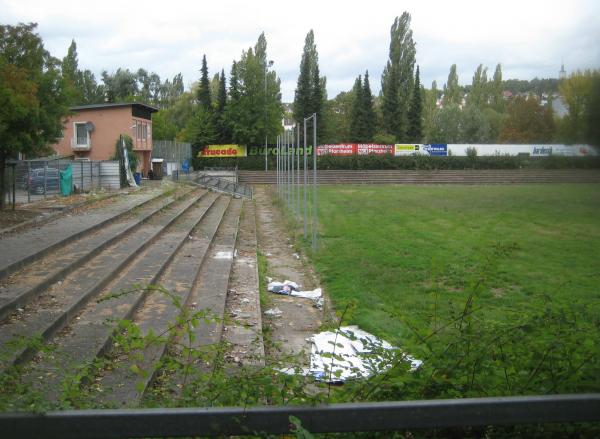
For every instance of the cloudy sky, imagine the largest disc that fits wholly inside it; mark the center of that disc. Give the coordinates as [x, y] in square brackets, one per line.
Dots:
[529, 38]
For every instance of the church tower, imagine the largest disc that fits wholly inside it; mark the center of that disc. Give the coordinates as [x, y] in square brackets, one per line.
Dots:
[562, 74]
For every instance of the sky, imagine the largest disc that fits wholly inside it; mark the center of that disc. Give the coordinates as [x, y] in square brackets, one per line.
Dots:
[528, 38]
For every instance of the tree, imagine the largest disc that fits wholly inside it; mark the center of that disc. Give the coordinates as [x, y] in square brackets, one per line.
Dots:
[310, 95]
[527, 122]
[200, 130]
[247, 118]
[415, 121]
[121, 86]
[204, 86]
[478, 96]
[357, 121]
[575, 91]
[33, 97]
[221, 127]
[592, 113]
[82, 87]
[397, 77]
[496, 98]
[370, 116]
[430, 107]
[452, 91]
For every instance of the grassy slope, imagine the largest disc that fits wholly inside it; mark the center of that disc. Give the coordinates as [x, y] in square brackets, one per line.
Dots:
[395, 249]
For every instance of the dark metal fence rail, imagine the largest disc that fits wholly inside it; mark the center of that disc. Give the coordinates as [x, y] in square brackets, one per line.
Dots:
[224, 185]
[382, 416]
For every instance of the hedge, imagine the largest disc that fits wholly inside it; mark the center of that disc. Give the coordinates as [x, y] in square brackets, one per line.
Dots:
[416, 162]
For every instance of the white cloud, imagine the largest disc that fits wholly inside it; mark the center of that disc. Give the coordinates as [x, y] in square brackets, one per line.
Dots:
[529, 38]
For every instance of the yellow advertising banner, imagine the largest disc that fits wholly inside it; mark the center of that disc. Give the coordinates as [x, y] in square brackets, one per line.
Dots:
[223, 151]
[405, 149]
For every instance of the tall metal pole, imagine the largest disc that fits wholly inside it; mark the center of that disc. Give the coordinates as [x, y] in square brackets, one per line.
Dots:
[298, 211]
[315, 221]
[277, 165]
[270, 63]
[292, 187]
[305, 187]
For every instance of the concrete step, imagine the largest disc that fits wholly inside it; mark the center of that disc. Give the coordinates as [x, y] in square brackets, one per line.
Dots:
[89, 335]
[56, 307]
[20, 287]
[200, 284]
[24, 248]
[243, 332]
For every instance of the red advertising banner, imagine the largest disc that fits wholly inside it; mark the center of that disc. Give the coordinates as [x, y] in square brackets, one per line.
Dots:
[372, 148]
[338, 149]
[346, 149]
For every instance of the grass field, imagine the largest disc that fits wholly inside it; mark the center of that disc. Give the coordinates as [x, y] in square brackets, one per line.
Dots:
[412, 258]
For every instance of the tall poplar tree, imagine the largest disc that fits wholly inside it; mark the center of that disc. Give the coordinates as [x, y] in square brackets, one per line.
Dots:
[415, 122]
[495, 85]
[397, 77]
[310, 91]
[452, 91]
[479, 94]
[369, 111]
[357, 114]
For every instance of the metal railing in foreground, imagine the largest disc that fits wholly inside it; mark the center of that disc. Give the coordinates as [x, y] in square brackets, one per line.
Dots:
[223, 185]
[378, 416]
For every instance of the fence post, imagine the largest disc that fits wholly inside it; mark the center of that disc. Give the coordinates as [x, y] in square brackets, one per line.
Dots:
[315, 219]
[28, 180]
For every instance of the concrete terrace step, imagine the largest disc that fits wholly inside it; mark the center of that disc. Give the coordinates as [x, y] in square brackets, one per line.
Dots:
[53, 309]
[474, 176]
[244, 330]
[23, 248]
[89, 336]
[34, 278]
[199, 279]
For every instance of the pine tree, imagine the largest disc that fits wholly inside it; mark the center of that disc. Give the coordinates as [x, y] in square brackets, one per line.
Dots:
[204, 87]
[397, 77]
[223, 135]
[452, 91]
[415, 123]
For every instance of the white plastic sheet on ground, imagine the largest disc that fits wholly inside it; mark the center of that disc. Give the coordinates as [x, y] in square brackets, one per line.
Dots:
[350, 352]
[291, 288]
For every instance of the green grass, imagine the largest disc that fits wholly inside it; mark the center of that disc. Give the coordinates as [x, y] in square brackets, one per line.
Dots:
[407, 255]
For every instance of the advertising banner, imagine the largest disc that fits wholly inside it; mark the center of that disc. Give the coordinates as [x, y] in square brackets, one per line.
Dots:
[373, 148]
[437, 149]
[223, 151]
[405, 149]
[340, 149]
[272, 150]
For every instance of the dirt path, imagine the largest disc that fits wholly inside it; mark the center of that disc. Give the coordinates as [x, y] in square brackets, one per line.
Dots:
[299, 318]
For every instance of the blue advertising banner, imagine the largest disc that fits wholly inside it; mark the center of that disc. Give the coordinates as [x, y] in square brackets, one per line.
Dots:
[439, 149]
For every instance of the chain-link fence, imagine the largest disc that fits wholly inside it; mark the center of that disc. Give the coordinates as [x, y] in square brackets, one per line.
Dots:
[40, 178]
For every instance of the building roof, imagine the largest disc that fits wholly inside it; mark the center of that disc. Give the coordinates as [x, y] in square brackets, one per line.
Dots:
[111, 105]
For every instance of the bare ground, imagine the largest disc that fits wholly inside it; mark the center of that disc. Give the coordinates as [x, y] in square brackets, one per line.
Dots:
[299, 319]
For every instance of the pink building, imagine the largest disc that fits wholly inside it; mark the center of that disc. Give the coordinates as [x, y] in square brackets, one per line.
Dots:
[91, 131]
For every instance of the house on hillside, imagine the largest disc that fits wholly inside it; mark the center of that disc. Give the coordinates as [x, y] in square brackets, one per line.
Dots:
[91, 131]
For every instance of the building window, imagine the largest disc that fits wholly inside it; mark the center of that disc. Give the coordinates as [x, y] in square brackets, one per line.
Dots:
[82, 137]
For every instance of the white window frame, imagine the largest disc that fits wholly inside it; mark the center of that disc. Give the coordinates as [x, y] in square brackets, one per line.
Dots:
[75, 138]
